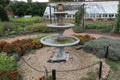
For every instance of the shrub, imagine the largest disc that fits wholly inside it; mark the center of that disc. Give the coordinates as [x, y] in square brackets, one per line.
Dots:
[5, 62]
[15, 46]
[98, 47]
[105, 27]
[84, 38]
[3, 14]
[7, 68]
[77, 29]
[40, 27]
[1, 28]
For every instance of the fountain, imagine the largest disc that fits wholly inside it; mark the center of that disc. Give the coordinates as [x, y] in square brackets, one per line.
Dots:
[60, 41]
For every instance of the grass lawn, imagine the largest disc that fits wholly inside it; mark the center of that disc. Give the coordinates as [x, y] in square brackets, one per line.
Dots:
[115, 70]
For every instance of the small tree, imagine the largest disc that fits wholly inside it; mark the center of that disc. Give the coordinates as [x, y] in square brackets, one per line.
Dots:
[78, 18]
[117, 29]
[3, 14]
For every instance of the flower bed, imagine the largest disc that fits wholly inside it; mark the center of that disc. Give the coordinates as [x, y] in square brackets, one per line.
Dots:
[84, 38]
[15, 46]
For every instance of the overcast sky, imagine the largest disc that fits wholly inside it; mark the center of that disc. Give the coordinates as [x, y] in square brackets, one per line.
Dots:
[35, 0]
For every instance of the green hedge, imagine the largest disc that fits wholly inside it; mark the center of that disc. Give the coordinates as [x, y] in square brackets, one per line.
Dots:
[26, 20]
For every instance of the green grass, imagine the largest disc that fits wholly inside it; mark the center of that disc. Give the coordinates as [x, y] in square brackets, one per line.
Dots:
[115, 69]
[41, 36]
[26, 20]
[114, 65]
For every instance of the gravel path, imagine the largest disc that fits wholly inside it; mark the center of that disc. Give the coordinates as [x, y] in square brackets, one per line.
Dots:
[78, 59]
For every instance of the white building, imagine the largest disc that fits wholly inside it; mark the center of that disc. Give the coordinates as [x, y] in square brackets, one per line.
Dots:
[94, 10]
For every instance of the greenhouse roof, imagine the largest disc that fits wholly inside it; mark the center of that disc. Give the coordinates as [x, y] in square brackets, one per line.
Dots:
[104, 7]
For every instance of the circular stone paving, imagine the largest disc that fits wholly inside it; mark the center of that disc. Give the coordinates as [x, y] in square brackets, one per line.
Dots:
[78, 59]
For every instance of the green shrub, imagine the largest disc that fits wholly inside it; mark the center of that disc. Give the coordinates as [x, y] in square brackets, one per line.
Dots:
[98, 47]
[77, 29]
[40, 27]
[26, 20]
[1, 28]
[9, 26]
[105, 27]
[5, 62]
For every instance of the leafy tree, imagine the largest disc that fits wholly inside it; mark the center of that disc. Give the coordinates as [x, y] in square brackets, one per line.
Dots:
[4, 2]
[22, 8]
[3, 14]
[117, 29]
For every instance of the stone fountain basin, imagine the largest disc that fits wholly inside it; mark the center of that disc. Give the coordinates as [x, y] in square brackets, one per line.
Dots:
[52, 41]
[64, 26]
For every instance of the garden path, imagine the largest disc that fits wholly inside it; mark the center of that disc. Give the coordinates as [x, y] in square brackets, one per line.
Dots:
[67, 32]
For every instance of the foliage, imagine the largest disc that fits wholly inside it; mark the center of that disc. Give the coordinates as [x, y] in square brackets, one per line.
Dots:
[117, 29]
[1, 28]
[26, 20]
[98, 47]
[22, 8]
[7, 68]
[83, 38]
[15, 46]
[99, 25]
[90, 76]
[115, 69]
[77, 29]
[3, 14]
[5, 62]
[41, 36]
[4, 2]
[78, 18]
[40, 27]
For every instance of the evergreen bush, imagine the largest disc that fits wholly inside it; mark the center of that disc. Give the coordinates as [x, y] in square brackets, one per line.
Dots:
[3, 14]
[98, 47]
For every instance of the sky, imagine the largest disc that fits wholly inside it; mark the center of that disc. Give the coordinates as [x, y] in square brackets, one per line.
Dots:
[35, 0]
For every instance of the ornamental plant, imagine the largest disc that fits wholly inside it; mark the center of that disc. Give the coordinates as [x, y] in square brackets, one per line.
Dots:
[15, 46]
[84, 38]
[8, 71]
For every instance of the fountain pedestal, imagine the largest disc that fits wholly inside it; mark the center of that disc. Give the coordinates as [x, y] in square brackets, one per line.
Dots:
[60, 55]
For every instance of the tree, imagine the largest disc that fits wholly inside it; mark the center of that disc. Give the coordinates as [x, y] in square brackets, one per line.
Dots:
[29, 1]
[4, 2]
[117, 29]
[3, 14]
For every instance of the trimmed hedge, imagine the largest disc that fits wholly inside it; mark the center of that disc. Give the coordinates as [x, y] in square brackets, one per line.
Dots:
[98, 47]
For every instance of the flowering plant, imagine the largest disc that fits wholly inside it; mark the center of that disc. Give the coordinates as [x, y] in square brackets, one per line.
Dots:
[84, 38]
